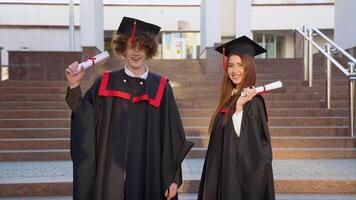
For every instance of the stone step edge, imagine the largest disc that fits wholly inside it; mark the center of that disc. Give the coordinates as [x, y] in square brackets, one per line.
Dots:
[203, 149]
[186, 127]
[281, 186]
[190, 137]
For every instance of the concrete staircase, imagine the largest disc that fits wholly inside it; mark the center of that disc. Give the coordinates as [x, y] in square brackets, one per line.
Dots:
[306, 137]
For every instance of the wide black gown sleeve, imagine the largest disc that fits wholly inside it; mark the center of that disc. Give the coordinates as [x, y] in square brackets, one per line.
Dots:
[256, 110]
[83, 140]
[73, 98]
[175, 146]
[259, 114]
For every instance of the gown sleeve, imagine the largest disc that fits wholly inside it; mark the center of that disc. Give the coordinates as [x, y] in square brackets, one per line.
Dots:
[259, 114]
[83, 140]
[175, 146]
[257, 110]
[73, 98]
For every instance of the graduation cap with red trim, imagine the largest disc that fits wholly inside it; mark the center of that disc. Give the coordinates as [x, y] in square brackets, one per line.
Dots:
[132, 27]
[242, 46]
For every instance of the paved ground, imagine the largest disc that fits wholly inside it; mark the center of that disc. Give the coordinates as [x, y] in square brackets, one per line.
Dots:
[318, 169]
[291, 169]
[40, 171]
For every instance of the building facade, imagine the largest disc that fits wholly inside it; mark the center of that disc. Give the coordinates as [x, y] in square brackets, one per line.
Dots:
[188, 26]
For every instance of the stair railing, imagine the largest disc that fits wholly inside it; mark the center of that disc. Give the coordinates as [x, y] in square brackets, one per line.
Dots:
[308, 35]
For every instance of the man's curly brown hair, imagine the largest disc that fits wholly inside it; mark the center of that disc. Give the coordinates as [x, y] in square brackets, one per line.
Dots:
[145, 41]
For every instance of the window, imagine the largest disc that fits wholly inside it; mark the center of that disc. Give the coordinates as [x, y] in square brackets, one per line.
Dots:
[180, 45]
[274, 44]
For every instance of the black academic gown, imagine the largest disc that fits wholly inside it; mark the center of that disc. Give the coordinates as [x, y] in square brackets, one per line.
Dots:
[127, 138]
[239, 168]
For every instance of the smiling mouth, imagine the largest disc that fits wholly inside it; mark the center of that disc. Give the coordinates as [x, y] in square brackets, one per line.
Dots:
[236, 76]
[135, 59]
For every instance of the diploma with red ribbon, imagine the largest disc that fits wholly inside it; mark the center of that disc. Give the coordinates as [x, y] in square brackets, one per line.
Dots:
[93, 60]
[263, 89]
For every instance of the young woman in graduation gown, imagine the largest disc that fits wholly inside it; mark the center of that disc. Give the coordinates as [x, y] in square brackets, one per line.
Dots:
[127, 138]
[238, 163]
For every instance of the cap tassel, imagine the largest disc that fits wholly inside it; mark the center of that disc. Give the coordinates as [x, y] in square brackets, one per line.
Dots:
[223, 64]
[132, 39]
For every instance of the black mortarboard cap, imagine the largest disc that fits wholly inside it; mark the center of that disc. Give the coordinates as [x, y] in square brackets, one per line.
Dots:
[131, 27]
[242, 45]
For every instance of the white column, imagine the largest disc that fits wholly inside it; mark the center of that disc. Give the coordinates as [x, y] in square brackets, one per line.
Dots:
[71, 26]
[210, 23]
[345, 29]
[243, 18]
[91, 24]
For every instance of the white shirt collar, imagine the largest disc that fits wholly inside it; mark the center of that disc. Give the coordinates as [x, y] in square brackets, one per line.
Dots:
[130, 73]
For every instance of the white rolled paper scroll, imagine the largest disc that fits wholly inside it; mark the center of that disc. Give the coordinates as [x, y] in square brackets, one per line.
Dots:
[93, 60]
[265, 88]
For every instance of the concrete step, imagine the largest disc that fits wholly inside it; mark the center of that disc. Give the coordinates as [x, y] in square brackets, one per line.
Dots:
[34, 155]
[296, 153]
[33, 97]
[275, 75]
[276, 112]
[32, 83]
[13, 114]
[192, 88]
[33, 90]
[292, 142]
[280, 94]
[273, 112]
[261, 74]
[18, 133]
[195, 96]
[290, 89]
[196, 152]
[216, 81]
[200, 141]
[306, 131]
[182, 104]
[206, 81]
[267, 97]
[34, 143]
[278, 121]
[269, 104]
[291, 131]
[35, 123]
[53, 105]
[187, 121]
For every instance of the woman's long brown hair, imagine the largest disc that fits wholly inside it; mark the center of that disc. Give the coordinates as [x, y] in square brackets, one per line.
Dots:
[227, 86]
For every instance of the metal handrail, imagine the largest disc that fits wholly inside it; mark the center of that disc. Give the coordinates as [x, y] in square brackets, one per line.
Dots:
[335, 62]
[308, 66]
[335, 45]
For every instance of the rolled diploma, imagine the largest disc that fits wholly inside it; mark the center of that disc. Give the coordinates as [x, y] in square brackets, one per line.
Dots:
[93, 60]
[268, 87]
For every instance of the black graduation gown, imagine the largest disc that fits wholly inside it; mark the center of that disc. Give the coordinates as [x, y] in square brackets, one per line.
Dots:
[127, 138]
[239, 168]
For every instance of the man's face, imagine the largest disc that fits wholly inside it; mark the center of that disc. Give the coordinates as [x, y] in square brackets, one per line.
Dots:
[135, 56]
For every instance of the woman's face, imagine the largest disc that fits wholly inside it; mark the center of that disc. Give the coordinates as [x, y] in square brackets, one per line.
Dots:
[235, 69]
[135, 56]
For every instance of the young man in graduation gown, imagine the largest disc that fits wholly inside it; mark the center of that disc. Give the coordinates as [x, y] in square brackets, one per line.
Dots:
[238, 164]
[127, 138]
